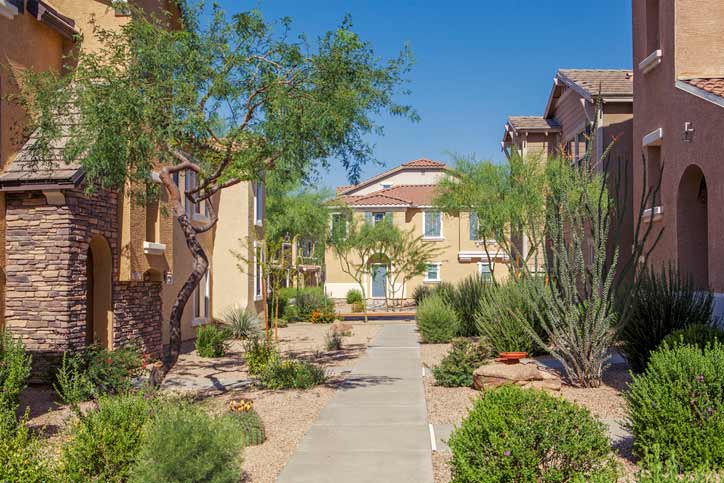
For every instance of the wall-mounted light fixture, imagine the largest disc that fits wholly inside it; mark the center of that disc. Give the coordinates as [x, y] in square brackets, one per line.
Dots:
[688, 132]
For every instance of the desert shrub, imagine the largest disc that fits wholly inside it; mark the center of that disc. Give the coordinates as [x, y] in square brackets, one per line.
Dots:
[241, 323]
[446, 291]
[353, 296]
[525, 435]
[677, 405]
[291, 374]
[292, 313]
[103, 443]
[14, 371]
[697, 335]
[211, 341]
[20, 456]
[502, 314]
[96, 371]
[281, 323]
[258, 351]
[311, 300]
[325, 315]
[664, 302]
[436, 320]
[456, 369]
[333, 340]
[359, 306]
[654, 468]
[283, 302]
[466, 300]
[183, 444]
[249, 421]
[420, 293]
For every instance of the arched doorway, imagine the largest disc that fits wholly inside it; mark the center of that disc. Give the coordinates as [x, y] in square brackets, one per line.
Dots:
[379, 276]
[692, 226]
[99, 269]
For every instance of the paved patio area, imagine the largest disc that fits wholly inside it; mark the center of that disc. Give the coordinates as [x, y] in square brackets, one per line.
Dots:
[375, 429]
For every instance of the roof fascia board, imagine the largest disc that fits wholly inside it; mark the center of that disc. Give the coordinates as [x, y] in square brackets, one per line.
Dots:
[700, 93]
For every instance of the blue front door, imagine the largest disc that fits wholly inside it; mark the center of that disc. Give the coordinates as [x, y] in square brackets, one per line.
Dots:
[379, 281]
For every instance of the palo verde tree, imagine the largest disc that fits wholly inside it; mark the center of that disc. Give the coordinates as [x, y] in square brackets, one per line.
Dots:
[227, 98]
[409, 255]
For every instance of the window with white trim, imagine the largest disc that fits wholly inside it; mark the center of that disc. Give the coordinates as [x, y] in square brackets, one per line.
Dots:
[485, 271]
[374, 217]
[202, 297]
[258, 260]
[474, 227]
[432, 224]
[432, 272]
[259, 204]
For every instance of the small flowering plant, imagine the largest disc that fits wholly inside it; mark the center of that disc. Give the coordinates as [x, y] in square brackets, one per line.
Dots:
[241, 405]
[324, 315]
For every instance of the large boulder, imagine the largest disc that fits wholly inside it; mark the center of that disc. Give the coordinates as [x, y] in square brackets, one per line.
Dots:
[524, 375]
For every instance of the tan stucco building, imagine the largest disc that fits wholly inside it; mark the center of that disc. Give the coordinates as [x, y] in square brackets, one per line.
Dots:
[678, 54]
[405, 195]
[80, 268]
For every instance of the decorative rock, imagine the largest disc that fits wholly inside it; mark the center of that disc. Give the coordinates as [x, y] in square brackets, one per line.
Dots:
[341, 328]
[523, 375]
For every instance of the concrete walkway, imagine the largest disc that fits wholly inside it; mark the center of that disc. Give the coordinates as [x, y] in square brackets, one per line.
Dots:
[375, 429]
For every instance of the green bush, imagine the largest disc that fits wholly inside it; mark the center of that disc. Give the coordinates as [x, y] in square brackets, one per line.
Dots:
[20, 456]
[466, 300]
[14, 371]
[242, 323]
[501, 315]
[697, 335]
[311, 300]
[436, 320]
[359, 307]
[420, 293]
[292, 313]
[677, 405]
[283, 304]
[251, 426]
[183, 444]
[354, 296]
[211, 341]
[104, 443]
[664, 302]
[291, 374]
[525, 435]
[333, 340]
[96, 371]
[456, 369]
[446, 291]
[654, 468]
[258, 351]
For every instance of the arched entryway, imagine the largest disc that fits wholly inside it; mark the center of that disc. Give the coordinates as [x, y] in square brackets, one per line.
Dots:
[692, 227]
[379, 276]
[99, 270]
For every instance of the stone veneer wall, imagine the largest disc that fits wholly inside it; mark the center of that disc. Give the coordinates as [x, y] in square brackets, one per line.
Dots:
[46, 252]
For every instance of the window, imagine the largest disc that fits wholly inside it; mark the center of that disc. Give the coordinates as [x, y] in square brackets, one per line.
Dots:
[207, 293]
[386, 186]
[432, 224]
[259, 204]
[258, 260]
[474, 226]
[653, 40]
[432, 274]
[485, 272]
[190, 183]
[202, 304]
[377, 217]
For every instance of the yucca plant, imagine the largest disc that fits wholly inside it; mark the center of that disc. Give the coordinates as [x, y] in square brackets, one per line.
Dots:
[242, 323]
[466, 300]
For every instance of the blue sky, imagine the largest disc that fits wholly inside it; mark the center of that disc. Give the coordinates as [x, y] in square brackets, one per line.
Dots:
[476, 61]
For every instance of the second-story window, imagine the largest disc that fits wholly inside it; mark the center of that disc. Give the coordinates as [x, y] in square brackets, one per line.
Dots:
[259, 203]
[377, 217]
[190, 183]
[474, 226]
[432, 224]
[653, 39]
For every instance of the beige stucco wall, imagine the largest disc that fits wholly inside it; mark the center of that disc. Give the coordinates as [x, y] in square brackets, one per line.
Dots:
[408, 176]
[699, 41]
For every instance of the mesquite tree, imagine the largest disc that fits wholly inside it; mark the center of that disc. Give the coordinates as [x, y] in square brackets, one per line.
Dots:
[226, 99]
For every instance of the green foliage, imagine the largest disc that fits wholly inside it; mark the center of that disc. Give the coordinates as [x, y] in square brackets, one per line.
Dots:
[104, 443]
[664, 302]
[504, 311]
[183, 444]
[528, 436]
[291, 374]
[420, 293]
[242, 323]
[436, 320]
[456, 369]
[293, 211]
[446, 291]
[359, 307]
[21, 459]
[251, 426]
[211, 341]
[466, 300]
[698, 335]
[96, 371]
[310, 301]
[258, 352]
[323, 315]
[278, 301]
[291, 314]
[333, 340]
[354, 296]
[677, 405]
[14, 371]
[654, 468]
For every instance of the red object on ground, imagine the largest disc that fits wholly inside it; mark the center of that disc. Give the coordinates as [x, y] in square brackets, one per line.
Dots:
[511, 357]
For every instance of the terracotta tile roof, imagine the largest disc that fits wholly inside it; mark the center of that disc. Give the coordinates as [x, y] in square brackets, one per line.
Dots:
[606, 82]
[711, 85]
[537, 123]
[401, 195]
[340, 189]
[424, 163]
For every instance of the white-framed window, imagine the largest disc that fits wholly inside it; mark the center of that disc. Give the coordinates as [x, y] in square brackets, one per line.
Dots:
[202, 297]
[432, 272]
[485, 271]
[190, 183]
[259, 204]
[374, 217]
[386, 186]
[258, 260]
[474, 227]
[432, 224]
